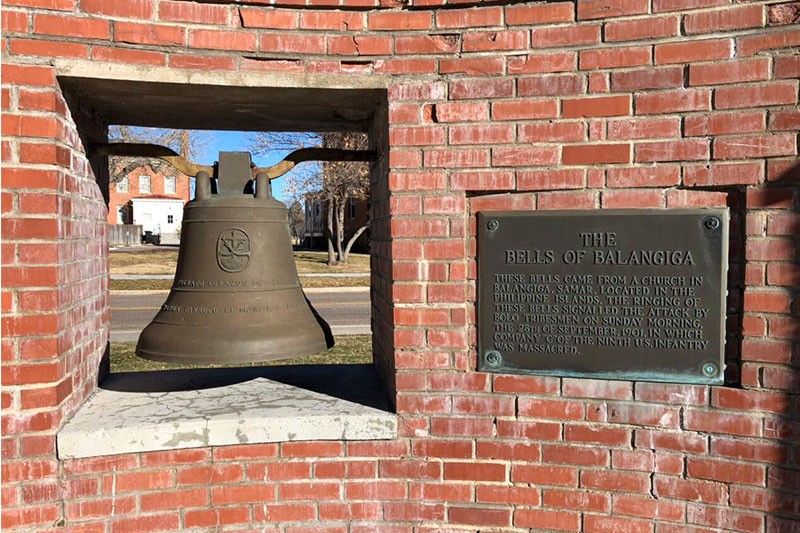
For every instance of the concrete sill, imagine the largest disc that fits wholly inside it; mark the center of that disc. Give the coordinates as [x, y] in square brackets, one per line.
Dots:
[169, 410]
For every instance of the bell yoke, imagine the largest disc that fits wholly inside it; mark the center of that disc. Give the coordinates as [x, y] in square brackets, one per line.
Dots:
[236, 296]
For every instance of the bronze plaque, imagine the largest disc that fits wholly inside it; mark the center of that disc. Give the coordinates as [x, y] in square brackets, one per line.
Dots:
[615, 294]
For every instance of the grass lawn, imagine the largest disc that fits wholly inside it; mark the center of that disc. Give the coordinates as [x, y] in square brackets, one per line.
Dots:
[349, 349]
[163, 261]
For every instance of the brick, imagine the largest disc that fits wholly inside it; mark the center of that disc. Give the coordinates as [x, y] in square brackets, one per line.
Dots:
[482, 134]
[294, 43]
[562, 36]
[716, 422]
[647, 78]
[602, 9]
[174, 11]
[28, 75]
[552, 131]
[617, 57]
[483, 516]
[551, 179]
[724, 123]
[119, 55]
[231, 494]
[180, 499]
[595, 154]
[456, 158]
[481, 88]
[750, 16]
[427, 44]
[507, 495]
[361, 45]
[417, 181]
[571, 454]
[523, 157]
[639, 29]
[400, 20]
[546, 519]
[644, 415]
[545, 475]
[222, 40]
[673, 101]
[495, 40]
[688, 489]
[129, 32]
[726, 471]
[136, 481]
[461, 111]
[529, 15]
[782, 120]
[529, 430]
[472, 66]
[542, 62]
[137, 9]
[691, 51]
[202, 62]
[66, 26]
[775, 93]
[417, 136]
[331, 20]
[683, 150]
[720, 72]
[600, 106]
[767, 301]
[310, 491]
[550, 85]
[644, 128]
[787, 67]
[755, 146]
[469, 18]
[575, 500]
[15, 21]
[522, 109]
[597, 435]
[216, 517]
[412, 512]
[485, 180]
[311, 449]
[276, 19]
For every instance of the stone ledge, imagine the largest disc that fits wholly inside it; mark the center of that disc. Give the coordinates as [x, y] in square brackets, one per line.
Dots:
[168, 410]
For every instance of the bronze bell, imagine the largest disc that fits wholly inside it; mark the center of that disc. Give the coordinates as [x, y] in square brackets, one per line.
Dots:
[236, 295]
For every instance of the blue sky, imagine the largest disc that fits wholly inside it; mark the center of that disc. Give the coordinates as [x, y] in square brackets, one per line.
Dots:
[238, 141]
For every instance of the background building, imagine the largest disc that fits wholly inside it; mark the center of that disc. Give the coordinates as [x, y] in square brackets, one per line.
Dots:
[151, 199]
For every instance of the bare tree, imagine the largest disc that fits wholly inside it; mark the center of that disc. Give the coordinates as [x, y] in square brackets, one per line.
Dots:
[297, 221]
[334, 183]
[343, 182]
[185, 142]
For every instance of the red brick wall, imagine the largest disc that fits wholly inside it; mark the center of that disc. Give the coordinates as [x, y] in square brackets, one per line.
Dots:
[594, 104]
[119, 199]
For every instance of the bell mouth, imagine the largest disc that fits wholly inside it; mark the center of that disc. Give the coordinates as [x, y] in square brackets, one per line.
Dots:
[247, 343]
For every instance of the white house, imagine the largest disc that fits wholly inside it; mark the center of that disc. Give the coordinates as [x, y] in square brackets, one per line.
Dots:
[161, 216]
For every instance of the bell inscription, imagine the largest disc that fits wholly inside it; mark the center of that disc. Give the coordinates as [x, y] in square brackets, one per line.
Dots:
[613, 294]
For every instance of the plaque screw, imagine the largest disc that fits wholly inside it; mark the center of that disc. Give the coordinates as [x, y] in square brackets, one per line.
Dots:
[493, 359]
[711, 222]
[710, 369]
[492, 225]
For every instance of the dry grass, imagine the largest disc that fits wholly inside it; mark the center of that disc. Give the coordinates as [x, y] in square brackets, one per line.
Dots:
[349, 349]
[163, 261]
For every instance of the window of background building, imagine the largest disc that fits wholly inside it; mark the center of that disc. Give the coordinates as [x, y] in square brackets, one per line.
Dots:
[352, 208]
[169, 184]
[122, 185]
[170, 219]
[144, 184]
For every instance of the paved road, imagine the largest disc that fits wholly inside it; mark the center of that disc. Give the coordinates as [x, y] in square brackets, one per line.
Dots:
[347, 311]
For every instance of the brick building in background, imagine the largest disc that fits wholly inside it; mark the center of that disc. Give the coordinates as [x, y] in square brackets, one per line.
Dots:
[591, 104]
